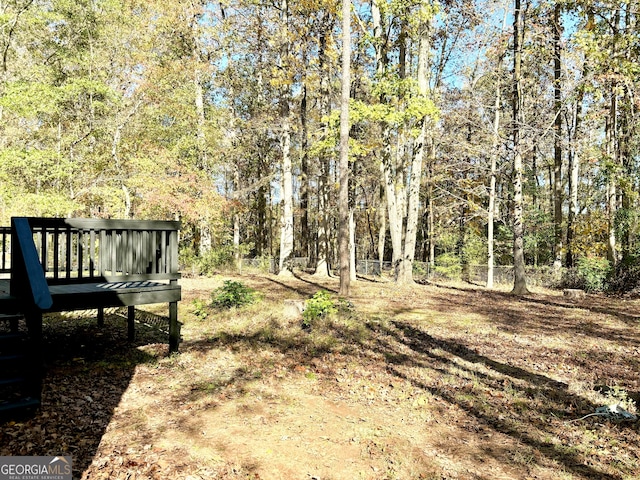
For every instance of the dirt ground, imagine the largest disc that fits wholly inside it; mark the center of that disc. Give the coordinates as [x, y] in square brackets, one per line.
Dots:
[422, 382]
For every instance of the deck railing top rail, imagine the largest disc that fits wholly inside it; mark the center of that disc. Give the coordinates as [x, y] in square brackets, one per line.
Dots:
[5, 249]
[102, 224]
[81, 250]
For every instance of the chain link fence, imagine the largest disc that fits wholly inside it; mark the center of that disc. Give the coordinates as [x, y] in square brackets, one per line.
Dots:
[502, 274]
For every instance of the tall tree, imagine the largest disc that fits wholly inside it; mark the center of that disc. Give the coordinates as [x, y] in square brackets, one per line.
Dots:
[556, 26]
[407, 108]
[495, 153]
[520, 281]
[404, 271]
[286, 233]
[343, 199]
[322, 267]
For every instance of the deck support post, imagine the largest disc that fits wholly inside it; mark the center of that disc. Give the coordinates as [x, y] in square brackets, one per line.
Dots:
[174, 327]
[101, 316]
[34, 325]
[131, 323]
[33, 319]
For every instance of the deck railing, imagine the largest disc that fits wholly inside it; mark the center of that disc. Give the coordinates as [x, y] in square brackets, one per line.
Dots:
[5, 249]
[112, 250]
[60, 264]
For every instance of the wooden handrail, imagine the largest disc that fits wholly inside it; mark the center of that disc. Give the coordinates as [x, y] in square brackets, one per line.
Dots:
[27, 276]
[104, 224]
[5, 249]
[74, 250]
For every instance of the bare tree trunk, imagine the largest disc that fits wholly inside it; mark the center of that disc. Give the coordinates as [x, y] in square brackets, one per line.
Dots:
[612, 193]
[206, 238]
[352, 245]
[557, 141]
[574, 169]
[343, 195]
[286, 232]
[392, 194]
[431, 210]
[200, 131]
[115, 144]
[520, 281]
[127, 201]
[323, 246]
[494, 161]
[236, 224]
[612, 154]
[322, 261]
[304, 180]
[627, 133]
[382, 234]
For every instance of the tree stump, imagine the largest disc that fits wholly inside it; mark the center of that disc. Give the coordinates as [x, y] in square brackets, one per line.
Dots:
[574, 293]
[293, 308]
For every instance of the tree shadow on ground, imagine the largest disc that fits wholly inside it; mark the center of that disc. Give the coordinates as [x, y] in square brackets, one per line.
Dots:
[526, 430]
[308, 290]
[587, 328]
[625, 311]
[440, 367]
[534, 313]
[87, 370]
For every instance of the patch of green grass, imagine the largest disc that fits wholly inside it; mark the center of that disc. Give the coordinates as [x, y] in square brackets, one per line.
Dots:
[200, 309]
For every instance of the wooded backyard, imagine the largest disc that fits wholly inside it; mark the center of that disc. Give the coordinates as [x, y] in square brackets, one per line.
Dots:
[428, 381]
[225, 116]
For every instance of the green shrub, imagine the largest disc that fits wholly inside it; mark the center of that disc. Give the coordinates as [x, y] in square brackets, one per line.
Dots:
[200, 309]
[232, 294]
[626, 276]
[474, 250]
[448, 266]
[317, 306]
[220, 258]
[589, 274]
[420, 269]
[188, 261]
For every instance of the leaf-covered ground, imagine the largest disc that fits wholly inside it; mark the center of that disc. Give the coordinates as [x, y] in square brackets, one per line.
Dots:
[431, 382]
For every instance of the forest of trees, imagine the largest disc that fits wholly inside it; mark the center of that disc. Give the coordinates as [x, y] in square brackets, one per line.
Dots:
[481, 132]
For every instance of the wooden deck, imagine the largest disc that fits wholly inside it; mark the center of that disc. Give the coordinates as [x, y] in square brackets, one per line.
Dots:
[58, 264]
[112, 294]
[86, 264]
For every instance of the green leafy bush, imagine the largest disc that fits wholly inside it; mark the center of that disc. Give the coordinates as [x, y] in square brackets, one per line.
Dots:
[199, 309]
[420, 269]
[626, 276]
[589, 274]
[317, 306]
[448, 266]
[216, 259]
[232, 294]
[207, 264]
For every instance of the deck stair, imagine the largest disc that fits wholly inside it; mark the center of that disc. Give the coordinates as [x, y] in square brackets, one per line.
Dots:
[20, 368]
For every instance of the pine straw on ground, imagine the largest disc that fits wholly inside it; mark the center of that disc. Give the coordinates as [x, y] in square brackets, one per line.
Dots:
[421, 382]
